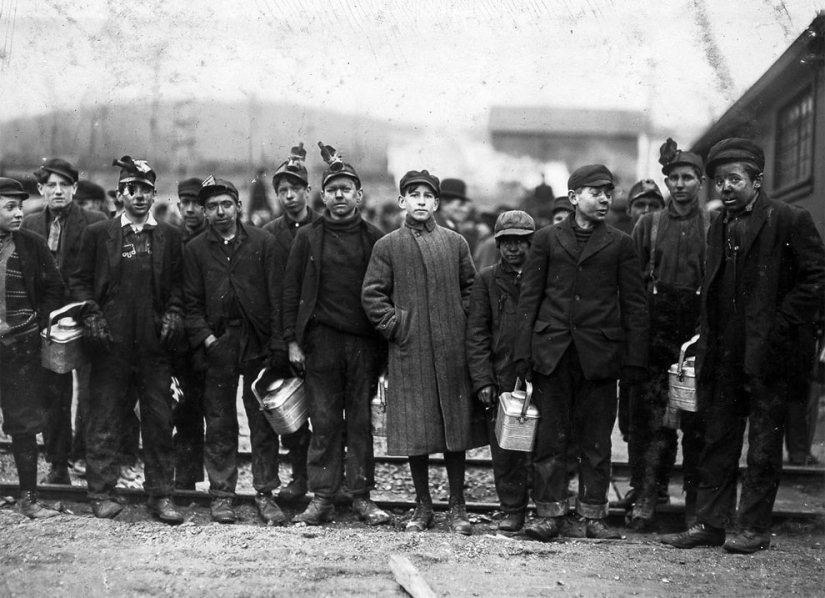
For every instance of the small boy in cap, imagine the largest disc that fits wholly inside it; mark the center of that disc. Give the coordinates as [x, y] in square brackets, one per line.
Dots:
[231, 289]
[416, 292]
[492, 328]
[583, 324]
[129, 271]
[62, 223]
[764, 281]
[644, 198]
[332, 340]
[30, 289]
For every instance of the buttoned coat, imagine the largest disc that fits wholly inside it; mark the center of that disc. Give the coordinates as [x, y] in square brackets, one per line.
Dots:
[593, 298]
[280, 228]
[77, 219]
[416, 293]
[782, 267]
[97, 276]
[252, 275]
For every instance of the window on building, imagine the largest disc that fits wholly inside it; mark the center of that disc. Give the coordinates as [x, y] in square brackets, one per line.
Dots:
[795, 140]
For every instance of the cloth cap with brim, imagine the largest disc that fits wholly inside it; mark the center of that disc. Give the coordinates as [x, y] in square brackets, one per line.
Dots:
[563, 203]
[135, 171]
[344, 170]
[12, 188]
[57, 166]
[514, 223]
[423, 177]
[735, 149]
[644, 187]
[289, 169]
[212, 187]
[87, 190]
[454, 189]
[591, 175]
[684, 159]
[189, 188]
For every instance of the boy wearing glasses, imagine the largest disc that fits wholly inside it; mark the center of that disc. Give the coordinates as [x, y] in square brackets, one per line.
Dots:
[584, 323]
[129, 270]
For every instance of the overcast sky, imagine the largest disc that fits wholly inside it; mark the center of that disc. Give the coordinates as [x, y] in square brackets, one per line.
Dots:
[436, 63]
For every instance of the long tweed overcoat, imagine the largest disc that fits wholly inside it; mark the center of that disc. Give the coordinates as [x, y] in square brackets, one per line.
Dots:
[416, 293]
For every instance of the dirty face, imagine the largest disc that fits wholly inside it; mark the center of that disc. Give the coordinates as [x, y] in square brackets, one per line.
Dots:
[192, 212]
[137, 198]
[292, 196]
[592, 204]
[735, 186]
[222, 213]
[342, 197]
[684, 184]
[514, 249]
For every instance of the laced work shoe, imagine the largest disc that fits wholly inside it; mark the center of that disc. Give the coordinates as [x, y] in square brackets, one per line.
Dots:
[512, 522]
[33, 509]
[748, 541]
[106, 508]
[700, 534]
[268, 509]
[163, 508]
[459, 522]
[597, 529]
[319, 511]
[571, 526]
[543, 529]
[221, 510]
[369, 512]
[422, 518]
[295, 490]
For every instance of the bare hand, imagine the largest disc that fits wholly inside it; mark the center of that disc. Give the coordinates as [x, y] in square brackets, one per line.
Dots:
[297, 358]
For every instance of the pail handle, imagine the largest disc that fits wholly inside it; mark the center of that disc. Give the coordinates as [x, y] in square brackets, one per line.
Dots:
[255, 388]
[70, 310]
[682, 352]
[528, 396]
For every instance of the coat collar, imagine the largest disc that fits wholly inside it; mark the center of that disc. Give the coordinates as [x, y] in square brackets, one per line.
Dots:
[599, 239]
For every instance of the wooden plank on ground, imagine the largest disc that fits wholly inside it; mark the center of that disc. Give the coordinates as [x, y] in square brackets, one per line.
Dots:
[409, 578]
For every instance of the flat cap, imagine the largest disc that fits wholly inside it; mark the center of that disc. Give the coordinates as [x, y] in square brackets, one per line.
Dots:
[189, 188]
[735, 149]
[454, 189]
[212, 186]
[12, 188]
[644, 187]
[591, 175]
[514, 222]
[87, 190]
[135, 171]
[56, 166]
[563, 203]
[423, 177]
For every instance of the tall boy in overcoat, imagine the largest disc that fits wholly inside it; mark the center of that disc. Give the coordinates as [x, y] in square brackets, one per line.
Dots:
[583, 324]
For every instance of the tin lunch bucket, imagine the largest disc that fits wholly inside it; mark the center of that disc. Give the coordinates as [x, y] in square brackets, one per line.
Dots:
[516, 419]
[378, 409]
[682, 380]
[283, 402]
[61, 346]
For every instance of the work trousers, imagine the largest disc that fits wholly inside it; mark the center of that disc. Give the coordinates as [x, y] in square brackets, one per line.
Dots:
[341, 377]
[22, 388]
[219, 407]
[188, 420]
[57, 437]
[570, 404]
[511, 471]
[762, 407]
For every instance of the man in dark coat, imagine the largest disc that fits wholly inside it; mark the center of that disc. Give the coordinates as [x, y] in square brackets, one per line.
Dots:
[30, 289]
[765, 276]
[492, 328]
[583, 323]
[231, 285]
[292, 188]
[129, 269]
[62, 223]
[331, 338]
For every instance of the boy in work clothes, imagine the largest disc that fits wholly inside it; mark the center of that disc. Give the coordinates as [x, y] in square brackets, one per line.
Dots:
[584, 323]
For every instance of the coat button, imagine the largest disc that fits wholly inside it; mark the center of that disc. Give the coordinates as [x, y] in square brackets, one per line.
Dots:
[577, 297]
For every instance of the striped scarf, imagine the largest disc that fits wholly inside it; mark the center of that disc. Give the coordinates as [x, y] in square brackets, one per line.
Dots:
[17, 314]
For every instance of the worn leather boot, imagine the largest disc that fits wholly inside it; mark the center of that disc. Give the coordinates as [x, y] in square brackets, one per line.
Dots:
[58, 474]
[422, 518]
[572, 526]
[543, 529]
[700, 534]
[221, 510]
[512, 522]
[33, 509]
[163, 508]
[597, 529]
[295, 490]
[369, 512]
[106, 508]
[748, 541]
[459, 522]
[319, 511]
[268, 509]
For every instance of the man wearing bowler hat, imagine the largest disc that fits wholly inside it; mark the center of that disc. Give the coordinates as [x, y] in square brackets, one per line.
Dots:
[764, 280]
[291, 184]
[231, 284]
[62, 223]
[129, 270]
[30, 289]
[455, 210]
[583, 324]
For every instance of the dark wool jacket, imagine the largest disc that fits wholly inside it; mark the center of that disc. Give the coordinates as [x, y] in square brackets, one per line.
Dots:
[492, 328]
[251, 275]
[77, 219]
[782, 269]
[284, 232]
[301, 279]
[40, 275]
[97, 275]
[593, 298]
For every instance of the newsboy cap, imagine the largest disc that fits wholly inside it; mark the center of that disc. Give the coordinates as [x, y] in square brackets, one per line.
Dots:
[423, 177]
[591, 175]
[515, 223]
[56, 166]
[189, 188]
[644, 187]
[12, 188]
[735, 149]
[212, 186]
[135, 171]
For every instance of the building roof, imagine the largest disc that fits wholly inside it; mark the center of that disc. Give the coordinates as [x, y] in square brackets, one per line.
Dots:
[806, 52]
[543, 119]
